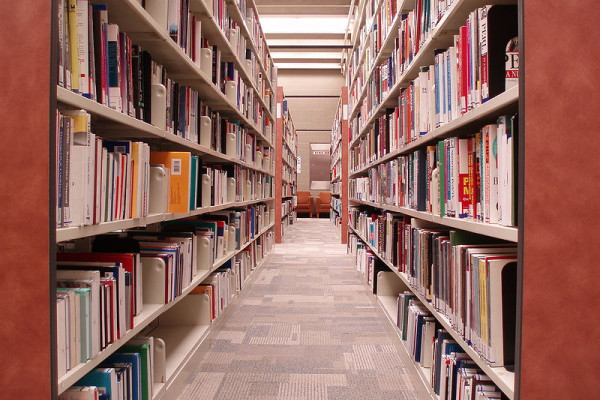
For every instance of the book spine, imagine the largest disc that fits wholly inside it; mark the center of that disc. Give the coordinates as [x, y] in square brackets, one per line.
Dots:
[483, 52]
[113, 57]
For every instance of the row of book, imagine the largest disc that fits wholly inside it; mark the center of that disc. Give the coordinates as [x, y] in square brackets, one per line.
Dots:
[258, 39]
[99, 180]
[414, 29]
[365, 260]
[469, 279]
[290, 137]
[371, 37]
[336, 204]
[481, 63]
[231, 29]
[453, 374]
[106, 288]
[128, 374]
[289, 188]
[469, 177]
[223, 284]
[100, 62]
[287, 206]
[336, 188]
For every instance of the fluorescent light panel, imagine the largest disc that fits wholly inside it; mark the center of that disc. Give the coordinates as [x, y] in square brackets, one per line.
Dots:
[306, 55]
[300, 65]
[303, 24]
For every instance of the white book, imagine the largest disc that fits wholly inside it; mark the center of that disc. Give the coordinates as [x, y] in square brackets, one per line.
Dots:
[83, 55]
[453, 57]
[89, 279]
[197, 41]
[99, 173]
[90, 179]
[78, 185]
[423, 102]
[61, 333]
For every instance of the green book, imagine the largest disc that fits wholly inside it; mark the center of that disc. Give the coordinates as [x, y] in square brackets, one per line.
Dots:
[146, 369]
[442, 171]
[85, 317]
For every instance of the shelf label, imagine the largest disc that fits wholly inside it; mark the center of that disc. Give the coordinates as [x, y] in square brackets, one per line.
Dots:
[278, 110]
[345, 112]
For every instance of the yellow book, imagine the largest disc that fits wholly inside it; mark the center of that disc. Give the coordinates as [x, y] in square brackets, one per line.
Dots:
[179, 163]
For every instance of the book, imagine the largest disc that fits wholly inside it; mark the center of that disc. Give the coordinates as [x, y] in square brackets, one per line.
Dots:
[179, 164]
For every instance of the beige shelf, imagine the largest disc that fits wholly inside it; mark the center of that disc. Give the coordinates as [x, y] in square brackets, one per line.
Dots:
[508, 233]
[77, 232]
[114, 124]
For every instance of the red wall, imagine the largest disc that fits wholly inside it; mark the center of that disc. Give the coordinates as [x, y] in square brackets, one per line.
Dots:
[561, 287]
[24, 160]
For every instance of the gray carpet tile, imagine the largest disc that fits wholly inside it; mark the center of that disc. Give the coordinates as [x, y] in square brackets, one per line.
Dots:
[306, 328]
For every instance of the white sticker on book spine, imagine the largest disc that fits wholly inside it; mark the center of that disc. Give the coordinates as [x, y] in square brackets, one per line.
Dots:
[176, 166]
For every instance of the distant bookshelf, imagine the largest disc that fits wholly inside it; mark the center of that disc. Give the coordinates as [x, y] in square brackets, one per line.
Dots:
[286, 155]
[339, 167]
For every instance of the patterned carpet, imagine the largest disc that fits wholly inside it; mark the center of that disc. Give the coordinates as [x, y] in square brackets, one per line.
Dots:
[306, 329]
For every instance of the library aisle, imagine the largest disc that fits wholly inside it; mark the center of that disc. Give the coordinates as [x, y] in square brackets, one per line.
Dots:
[305, 328]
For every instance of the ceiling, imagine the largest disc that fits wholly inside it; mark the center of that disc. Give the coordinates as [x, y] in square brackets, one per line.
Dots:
[305, 34]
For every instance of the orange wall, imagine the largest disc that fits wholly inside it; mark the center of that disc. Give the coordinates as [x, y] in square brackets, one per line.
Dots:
[561, 295]
[24, 146]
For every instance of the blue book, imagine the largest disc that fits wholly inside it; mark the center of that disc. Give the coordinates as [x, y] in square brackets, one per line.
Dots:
[133, 359]
[103, 378]
[194, 182]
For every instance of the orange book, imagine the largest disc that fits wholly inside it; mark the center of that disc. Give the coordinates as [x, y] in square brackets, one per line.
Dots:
[179, 163]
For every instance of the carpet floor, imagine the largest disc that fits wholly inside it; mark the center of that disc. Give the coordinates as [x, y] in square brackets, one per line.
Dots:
[306, 328]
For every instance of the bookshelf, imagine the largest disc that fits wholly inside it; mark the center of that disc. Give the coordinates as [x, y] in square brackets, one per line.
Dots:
[339, 167]
[398, 130]
[286, 150]
[183, 322]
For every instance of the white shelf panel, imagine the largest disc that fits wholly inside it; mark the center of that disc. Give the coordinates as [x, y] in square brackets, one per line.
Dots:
[181, 343]
[71, 233]
[508, 233]
[503, 378]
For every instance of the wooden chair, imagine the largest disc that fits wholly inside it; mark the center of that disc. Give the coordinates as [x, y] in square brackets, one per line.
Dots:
[323, 203]
[305, 203]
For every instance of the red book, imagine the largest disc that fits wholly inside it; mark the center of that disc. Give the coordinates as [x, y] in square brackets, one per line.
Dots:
[110, 316]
